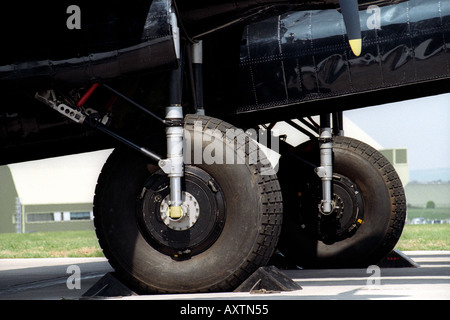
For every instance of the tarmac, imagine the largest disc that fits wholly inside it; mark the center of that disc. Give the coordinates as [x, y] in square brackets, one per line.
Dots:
[71, 278]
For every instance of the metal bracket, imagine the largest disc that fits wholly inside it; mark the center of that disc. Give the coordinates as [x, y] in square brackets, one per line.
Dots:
[91, 119]
[171, 166]
[49, 98]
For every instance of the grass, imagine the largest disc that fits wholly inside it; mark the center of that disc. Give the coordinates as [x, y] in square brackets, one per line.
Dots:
[50, 245]
[425, 237]
[84, 243]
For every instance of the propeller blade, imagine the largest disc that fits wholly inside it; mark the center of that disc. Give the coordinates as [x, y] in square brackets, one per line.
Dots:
[350, 12]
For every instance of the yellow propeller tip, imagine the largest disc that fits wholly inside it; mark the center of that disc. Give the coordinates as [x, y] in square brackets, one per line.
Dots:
[356, 45]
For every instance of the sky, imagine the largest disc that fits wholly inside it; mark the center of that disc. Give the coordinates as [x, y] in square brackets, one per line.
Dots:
[421, 125]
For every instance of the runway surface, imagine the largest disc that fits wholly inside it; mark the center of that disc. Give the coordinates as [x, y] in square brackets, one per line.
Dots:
[70, 278]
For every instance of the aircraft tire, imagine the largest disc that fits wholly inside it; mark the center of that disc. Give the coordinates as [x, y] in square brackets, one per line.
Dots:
[370, 213]
[236, 231]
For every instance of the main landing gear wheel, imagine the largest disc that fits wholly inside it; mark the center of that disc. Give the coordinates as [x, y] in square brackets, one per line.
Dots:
[369, 213]
[230, 227]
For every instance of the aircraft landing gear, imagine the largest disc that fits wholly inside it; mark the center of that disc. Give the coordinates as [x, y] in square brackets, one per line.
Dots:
[232, 222]
[171, 226]
[369, 207]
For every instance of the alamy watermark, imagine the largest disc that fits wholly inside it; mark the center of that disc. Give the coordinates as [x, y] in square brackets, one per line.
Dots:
[373, 281]
[73, 22]
[74, 280]
[234, 146]
[374, 20]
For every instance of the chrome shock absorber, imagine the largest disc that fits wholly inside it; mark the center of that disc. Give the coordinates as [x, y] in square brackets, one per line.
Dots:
[173, 166]
[325, 171]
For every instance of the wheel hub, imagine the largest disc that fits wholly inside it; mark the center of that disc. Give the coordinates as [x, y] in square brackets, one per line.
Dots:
[202, 219]
[347, 215]
[190, 209]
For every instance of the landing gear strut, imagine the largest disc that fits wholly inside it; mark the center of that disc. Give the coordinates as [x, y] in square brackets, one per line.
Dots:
[325, 170]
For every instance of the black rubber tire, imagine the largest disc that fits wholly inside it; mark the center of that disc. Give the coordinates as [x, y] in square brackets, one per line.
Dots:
[383, 203]
[246, 240]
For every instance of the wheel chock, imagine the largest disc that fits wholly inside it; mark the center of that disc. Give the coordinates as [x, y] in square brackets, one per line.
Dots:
[108, 286]
[268, 279]
[397, 259]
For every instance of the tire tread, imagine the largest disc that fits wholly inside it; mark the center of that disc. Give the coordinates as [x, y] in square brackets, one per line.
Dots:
[393, 182]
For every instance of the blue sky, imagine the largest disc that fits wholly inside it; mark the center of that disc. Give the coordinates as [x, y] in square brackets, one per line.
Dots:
[421, 125]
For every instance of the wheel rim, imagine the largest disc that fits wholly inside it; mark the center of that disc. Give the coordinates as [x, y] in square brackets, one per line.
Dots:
[201, 224]
[346, 218]
[348, 213]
